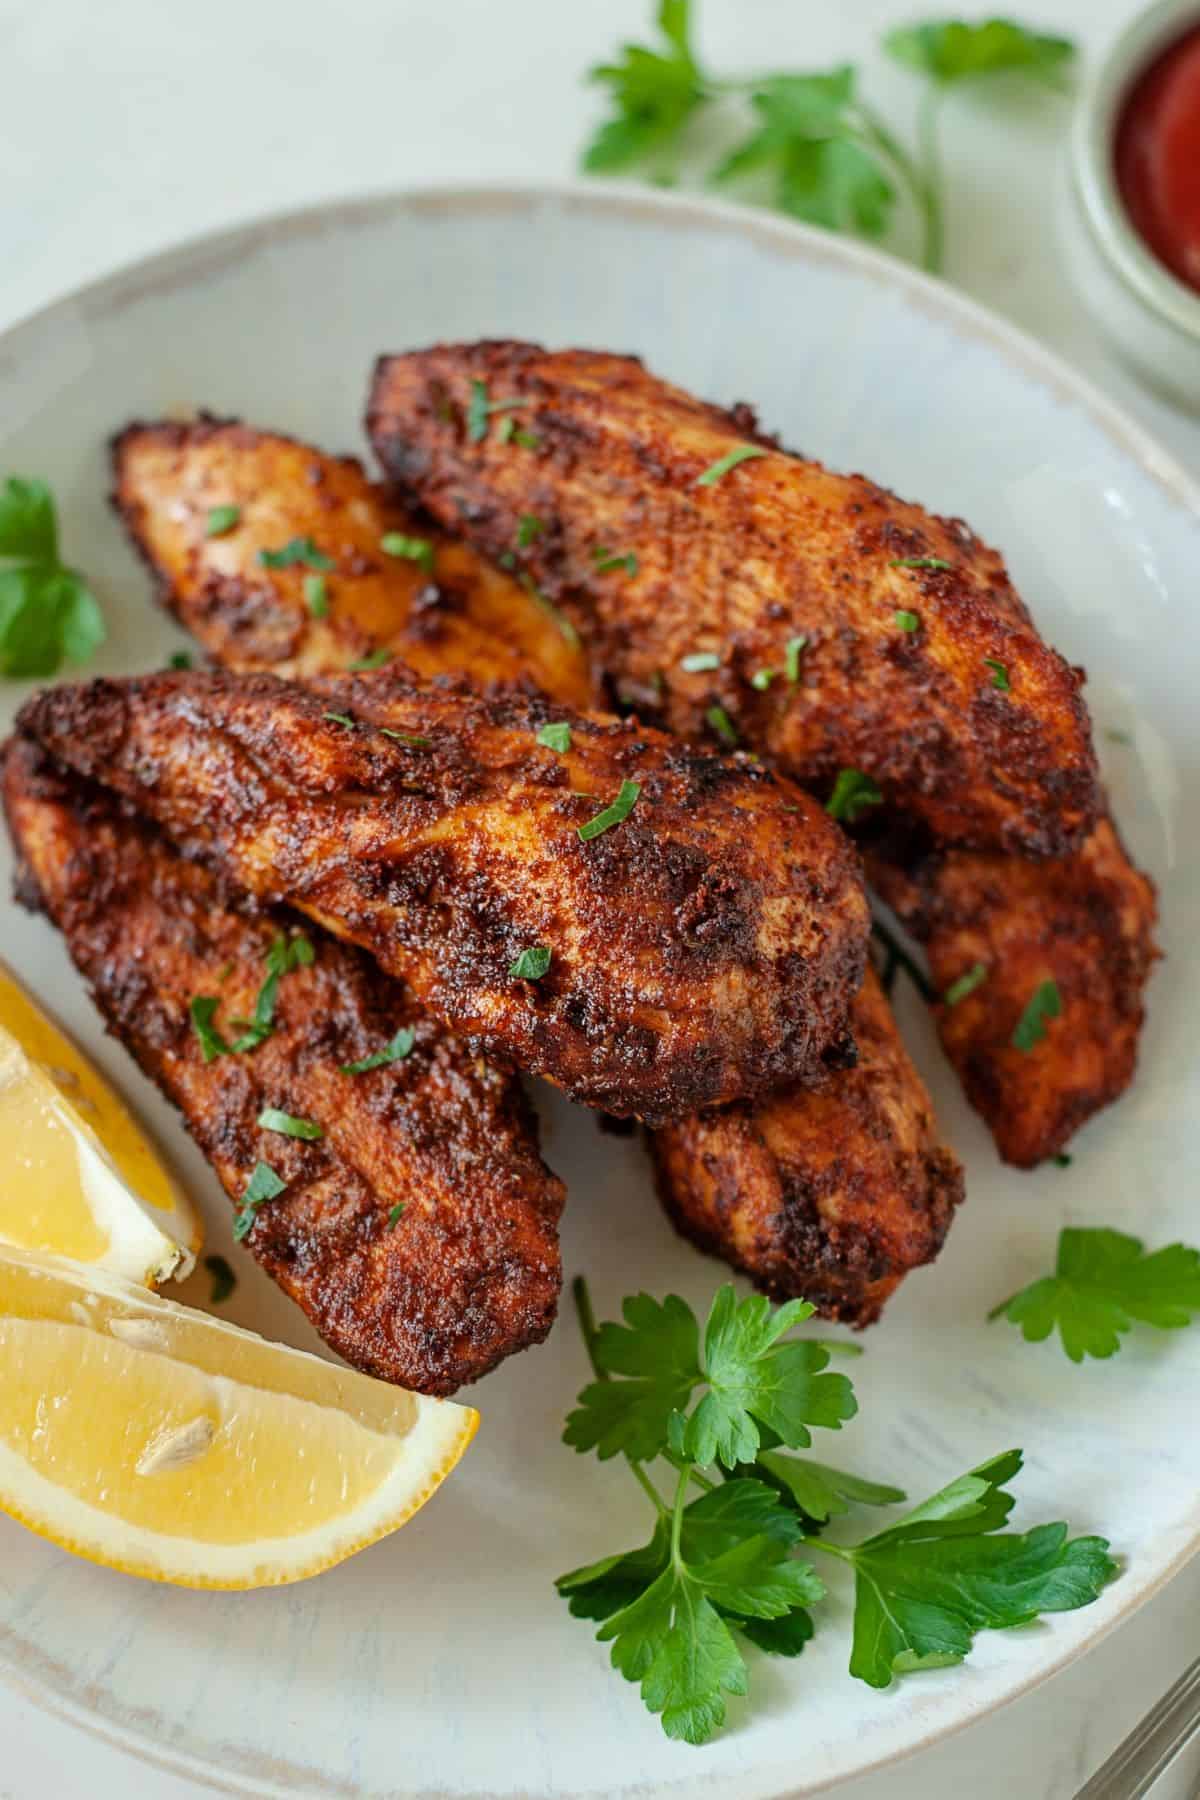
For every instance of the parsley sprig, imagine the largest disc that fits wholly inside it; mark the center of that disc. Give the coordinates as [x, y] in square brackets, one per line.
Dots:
[1103, 1283]
[47, 610]
[284, 955]
[824, 153]
[722, 1410]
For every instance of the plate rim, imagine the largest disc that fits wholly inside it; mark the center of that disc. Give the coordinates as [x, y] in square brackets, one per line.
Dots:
[179, 263]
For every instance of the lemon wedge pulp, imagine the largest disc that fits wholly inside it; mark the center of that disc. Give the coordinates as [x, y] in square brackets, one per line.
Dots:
[169, 1444]
[77, 1176]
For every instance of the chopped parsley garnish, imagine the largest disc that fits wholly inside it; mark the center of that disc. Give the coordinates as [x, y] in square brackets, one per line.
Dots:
[412, 739]
[532, 964]
[551, 611]
[614, 814]
[792, 654]
[739, 454]
[221, 519]
[179, 659]
[700, 662]
[1044, 1003]
[528, 440]
[507, 560]
[999, 674]
[288, 1125]
[729, 1563]
[966, 984]
[264, 1184]
[223, 1279]
[719, 720]
[480, 410]
[908, 621]
[529, 526]
[203, 1010]
[408, 549]
[1102, 1284]
[316, 596]
[298, 550]
[555, 737]
[395, 1215]
[919, 562]
[400, 1047]
[613, 559]
[762, 679]
[336, 718]
[1062, 1159]
[375, 660]
[853, 792]
[284, 955]
[505, 429]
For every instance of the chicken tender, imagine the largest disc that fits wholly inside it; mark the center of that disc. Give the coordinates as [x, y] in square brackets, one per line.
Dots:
[654, 928]
[752, 592]
[832, 1192]
[277, 556]
[996, 930]
[419, 1231]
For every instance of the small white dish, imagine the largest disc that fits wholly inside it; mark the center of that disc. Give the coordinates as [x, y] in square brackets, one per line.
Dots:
[1152, 317]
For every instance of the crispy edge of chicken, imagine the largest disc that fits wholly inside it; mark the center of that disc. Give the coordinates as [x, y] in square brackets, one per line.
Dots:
[469, 1272]
[1086, 923]
[832, 1192]
[703, 947]
[203, 502]
[892, 640]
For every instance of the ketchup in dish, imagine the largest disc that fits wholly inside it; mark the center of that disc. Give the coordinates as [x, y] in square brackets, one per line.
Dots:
[1157, 156]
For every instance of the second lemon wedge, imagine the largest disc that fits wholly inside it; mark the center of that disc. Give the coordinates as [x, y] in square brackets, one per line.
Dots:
[78, 1177]
[165, 1443]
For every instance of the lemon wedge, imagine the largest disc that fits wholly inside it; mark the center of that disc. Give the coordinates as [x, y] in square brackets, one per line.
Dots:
[77, 1175]
[162, 1442]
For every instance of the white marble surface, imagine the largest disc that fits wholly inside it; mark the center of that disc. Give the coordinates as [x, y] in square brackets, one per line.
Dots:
[136, 124]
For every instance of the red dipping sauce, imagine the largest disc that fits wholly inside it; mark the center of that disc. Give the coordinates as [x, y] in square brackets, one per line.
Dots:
[1157, 158]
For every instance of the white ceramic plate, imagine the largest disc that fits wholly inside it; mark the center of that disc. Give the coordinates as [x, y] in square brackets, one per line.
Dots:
[442, 1662]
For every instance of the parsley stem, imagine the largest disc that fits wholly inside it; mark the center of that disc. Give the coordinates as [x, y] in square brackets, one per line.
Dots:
[587, 1330]
[930, 195]
[681, 1489]
[923, 182]
[898, 957]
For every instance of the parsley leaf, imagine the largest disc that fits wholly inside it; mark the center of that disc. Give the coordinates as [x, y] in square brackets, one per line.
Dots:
[656, 1352]
[1104, 1282]
[613, 814]
[316, 596]
[400, 1047]
[614, 559]
[719, 721]
[754, 1378]
[853, 792]
[288, 1125]
[966, 984]
[480, 410]
[223, 1279]
[699, 662]
[179, 659]
[792, 654]
[739, 454]
[908, 621]
[822, 1493]
[297, 551]
[375, 659]
[264, 1184]
[950, 50]
[653, 93]
[529, 526]
[202, 1010]
[1044, 1003]
[221, 519]
[395, 1215]
[532, 963]
[815, 140]
[408, 549]
[925, 1587]
[999, 675]
[918, 562]
[555, 736]
[47, 611]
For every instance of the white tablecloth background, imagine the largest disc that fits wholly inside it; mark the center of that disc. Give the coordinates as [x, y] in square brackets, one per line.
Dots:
[128, 125]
